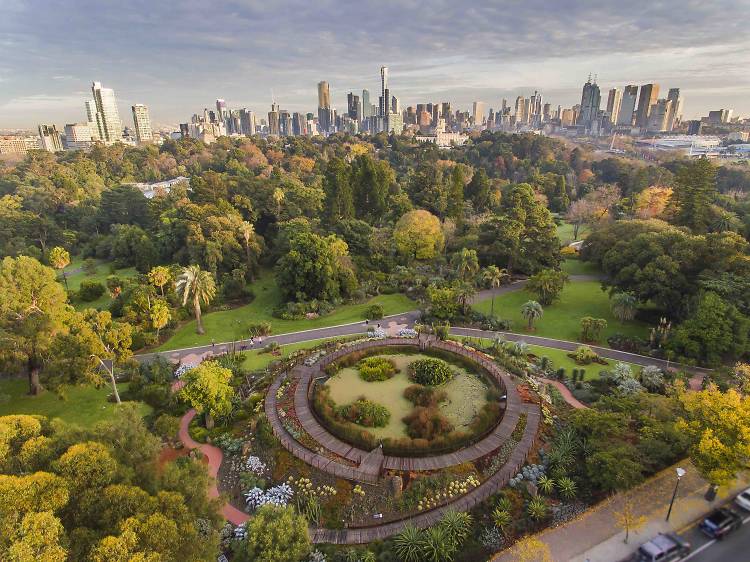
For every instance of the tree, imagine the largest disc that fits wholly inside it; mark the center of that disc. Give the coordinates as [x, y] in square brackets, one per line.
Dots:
[32, 314]
[277, 534]
[694, 192]
[443, 302]
[160, 276]
[208, 389]
[591, 328]
[87, 466]
[59, 258]
[716, 330]
[547, 284]
[741, 376]
[716, 423]
[478, 190]
[624, 306]
[371, 181]
[316, 267]
[466, 264]
[627, 517]
[198, 285]
[160, 315]
[252, 246]
[456, 193]
[652, 201]
[493, 277]
[464, 293]
[38, 538]
[418, 235]
[339, 201]
[531, 311]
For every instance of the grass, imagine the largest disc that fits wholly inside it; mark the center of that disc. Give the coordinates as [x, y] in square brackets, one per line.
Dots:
[559, 358]
[75, 279]
[561, 319]
[574, 266]
[83, 405]
[565, 233]
[255, 360]
[232, 324]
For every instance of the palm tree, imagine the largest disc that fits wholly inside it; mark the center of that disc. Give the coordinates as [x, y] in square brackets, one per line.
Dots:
[409, 544]
[200, 286]
[466, 264]
[251, 244]
[493, 277]
[532, 311]
[59, 258]
[623, 306]
[464, 293]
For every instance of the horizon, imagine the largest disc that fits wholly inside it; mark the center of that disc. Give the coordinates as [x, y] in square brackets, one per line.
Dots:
[453, 54]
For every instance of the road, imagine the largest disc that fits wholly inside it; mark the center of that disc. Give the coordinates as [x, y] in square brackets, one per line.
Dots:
[734, 548]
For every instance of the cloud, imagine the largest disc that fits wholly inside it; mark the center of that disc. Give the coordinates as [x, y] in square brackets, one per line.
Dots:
[178, 56]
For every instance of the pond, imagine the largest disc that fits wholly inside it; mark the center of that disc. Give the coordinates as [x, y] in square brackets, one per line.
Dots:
[466, 394]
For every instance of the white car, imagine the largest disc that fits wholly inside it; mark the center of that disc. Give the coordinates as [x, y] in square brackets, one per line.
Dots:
[743, 500]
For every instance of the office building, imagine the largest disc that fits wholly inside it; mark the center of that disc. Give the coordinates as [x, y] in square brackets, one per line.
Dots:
[142, 122]
[522, 115]
[12, 144]
[658, 116]
[49, 139]
[108, 120]
[384, 93]
[273, 120]
[695, 127]
[77, 136]
[614, 100]
[627, 106]
[354, 110]
[648, 96]
[247, 122]
[590, 104]
[719, 116]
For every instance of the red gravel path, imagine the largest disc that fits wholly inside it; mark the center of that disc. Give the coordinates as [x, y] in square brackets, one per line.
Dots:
[566, 394]
[214, 456]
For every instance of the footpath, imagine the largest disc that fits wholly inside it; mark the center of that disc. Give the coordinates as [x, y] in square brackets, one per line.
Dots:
[597, 536]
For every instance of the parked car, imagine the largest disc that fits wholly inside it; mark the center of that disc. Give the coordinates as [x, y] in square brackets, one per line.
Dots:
[743, 500]
[720, 523]
[664, 547]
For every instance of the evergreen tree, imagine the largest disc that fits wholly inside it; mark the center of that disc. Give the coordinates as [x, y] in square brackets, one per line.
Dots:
[339, 201]
[694, 192]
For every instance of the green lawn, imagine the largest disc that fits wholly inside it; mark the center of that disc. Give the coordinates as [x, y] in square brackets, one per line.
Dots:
[574, 266]
[232, 324]
[75, 279]
[83, 405]
[561, 319]
[255, 360]
[565, 233]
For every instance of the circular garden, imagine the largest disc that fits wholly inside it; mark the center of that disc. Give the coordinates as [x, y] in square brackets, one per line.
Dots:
[412, 401]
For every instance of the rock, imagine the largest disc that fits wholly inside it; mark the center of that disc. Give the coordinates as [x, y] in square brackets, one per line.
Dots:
[397, 485]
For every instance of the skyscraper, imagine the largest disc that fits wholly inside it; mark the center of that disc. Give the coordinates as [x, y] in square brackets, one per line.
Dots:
[384, 93]
[273, 120]
[324, 107]
[353, 108]
[107, 115]
[142, 122]
[92, 120]
[50, 138]
[648, 96]
[658, 115]
[247, 121]
[627, 106]
[366, 107]
[591, 100]
[477, 113]
[521, 110]
[614, 101]
[675, 110]
[77, 135]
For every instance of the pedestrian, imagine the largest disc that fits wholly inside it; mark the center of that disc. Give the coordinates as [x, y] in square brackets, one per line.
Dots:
[213, 343]
[367, 322]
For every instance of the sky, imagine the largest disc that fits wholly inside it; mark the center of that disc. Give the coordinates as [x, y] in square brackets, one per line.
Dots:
[177, 57]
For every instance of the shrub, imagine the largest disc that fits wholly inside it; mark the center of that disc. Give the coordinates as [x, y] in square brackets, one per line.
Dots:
[374, 312]
[376, 369]
[628, 343]
[425, 423]
[430, 371]
[591, 328]
[259, 329]
[89, 266]
[584, 355]
[90, 290]
[366, 413]
[424, 396]
[167, 426]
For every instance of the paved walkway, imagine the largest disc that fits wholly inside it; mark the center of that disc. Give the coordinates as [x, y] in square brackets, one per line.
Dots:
[596, 536]
[486, 294]
[564, 392]
[214, 456]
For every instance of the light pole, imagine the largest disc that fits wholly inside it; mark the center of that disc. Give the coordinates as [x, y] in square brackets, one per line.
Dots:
[680, 474]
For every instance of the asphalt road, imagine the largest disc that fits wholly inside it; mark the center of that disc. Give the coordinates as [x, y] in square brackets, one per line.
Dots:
[735, 547]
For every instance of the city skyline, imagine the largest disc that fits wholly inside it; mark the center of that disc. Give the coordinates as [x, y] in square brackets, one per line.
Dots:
[465, 56]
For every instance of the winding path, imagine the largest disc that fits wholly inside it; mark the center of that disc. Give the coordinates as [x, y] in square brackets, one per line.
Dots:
[214, 456]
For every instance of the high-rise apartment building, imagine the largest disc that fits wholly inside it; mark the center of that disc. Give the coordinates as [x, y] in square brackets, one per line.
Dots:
[324, 107]
[658, 116]
[384, 93]
[142, 122]
[353, 108]
[107, 115]
[273, 120]
[627, 106]
[614, 101]
[49, 139]
[648, 96]
[366, 107]
[591, 100]
[522, 114]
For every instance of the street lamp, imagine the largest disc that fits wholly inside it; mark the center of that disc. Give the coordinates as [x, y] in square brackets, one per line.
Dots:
[680, 473]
